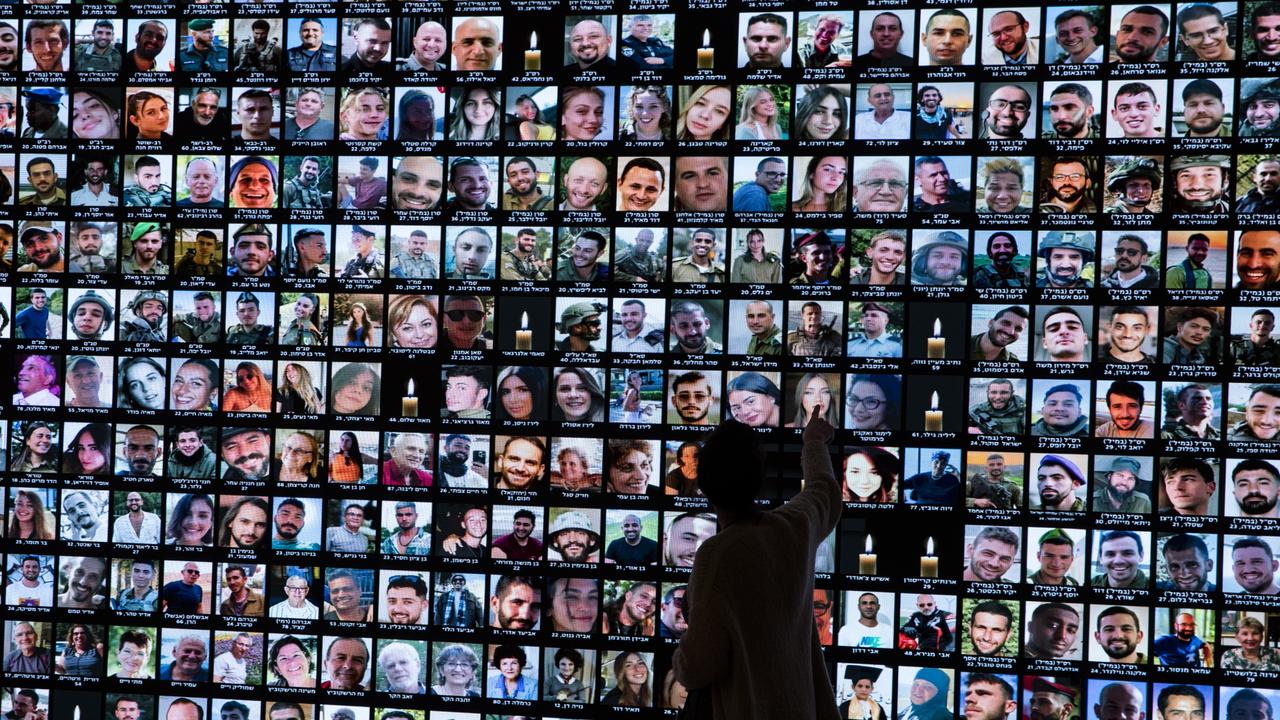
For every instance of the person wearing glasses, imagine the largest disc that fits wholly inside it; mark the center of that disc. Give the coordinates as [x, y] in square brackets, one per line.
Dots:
[183, 595]
[1008, 42]
[1008, 110]
[295, 606]
[771, 176]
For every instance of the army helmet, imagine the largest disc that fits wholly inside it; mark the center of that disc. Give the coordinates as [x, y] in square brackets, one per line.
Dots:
[1259, 89]
[577, 312]
[146, 295]
[1182, 162]
[949, 238]
[1081, 241]
[108, 312]
[1134, 167]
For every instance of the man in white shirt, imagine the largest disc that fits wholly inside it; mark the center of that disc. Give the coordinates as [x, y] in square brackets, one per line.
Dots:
[295, 606]
[30, 590]
[95, 192]
[882, 121]
[867, 631]
[84, 516]
[136, 527]
[230, 666]
[633, 334]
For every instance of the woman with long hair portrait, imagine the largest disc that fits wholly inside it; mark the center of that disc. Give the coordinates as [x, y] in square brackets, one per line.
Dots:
[347, 463]
[758, 117]
[579, 397]
[475, 115]
[582, 113]
[522, 394]
[38, 453]
[89, 452]
[648, 114]
[870, 476]
[359, 326]
[191, 521]
[822, 114]
[251, 393]
[297, 392]
[29, 520]
[705, 115]
[356, 389]
[826, 185]
[413, 321]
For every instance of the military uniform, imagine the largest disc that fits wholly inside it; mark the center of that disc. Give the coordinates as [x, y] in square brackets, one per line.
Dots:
[1004, 494]
[1140, 581]
[129, 266]
[540, 202]
[885, 346]
[296, 334]
[516, 268]
[188, 267]
[59, 199]
[1121, 208]
[323, 60]
[1079, 428]
[1178, 430]
[633, 52]
[746, 269]
[1137, 503]
[709, 347]
[297, 195]
[826, 344]
[1088, 207]
[1042, 281]
[250, 57]
[87, 60]
[811, 58]
[1012, 420]
[1037, 578]
[683, 270]
[88, 264]
[238, 334]
[975, 351]
[988, 277]
[404, 265]
[1240, 432]
[369, 266]
[566, 272]
[767, 345]
[1173, 353]
[1219, 206]
[632, 268]
[138, 330]
[56, 131]
[863, 277]
[1246, 352]
[191, 329]
[214, 60]
[135, 196]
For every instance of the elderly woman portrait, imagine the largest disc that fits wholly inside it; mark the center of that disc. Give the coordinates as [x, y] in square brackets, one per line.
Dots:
[133, 658]
[510, 682]
[456, 667]
[291, 664]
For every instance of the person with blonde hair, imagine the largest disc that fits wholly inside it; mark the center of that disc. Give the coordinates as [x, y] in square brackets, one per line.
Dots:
[363, 115]
[1003, 179]
[297, 393]
[758, 116]
[29, 520]
[300, 458]
[582, 113]
[413, 321]
[648, 114]
[705, 115]
[251, 393]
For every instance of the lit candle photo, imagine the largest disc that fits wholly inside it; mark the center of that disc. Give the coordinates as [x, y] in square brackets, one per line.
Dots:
[533, 56]
[933, 416]
[867, 560]
[706, 53]
[409, 403]
[937, 348]
[524, 336]
[928, 563]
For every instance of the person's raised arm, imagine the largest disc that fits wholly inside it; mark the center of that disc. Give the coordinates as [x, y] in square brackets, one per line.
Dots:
[820, 486]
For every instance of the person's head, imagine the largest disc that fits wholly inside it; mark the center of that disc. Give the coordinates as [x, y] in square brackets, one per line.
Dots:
[1120, 553]
[477, 43]
[372, 40]
[734, 450]
[992, 553]
[1118, 631]
[584, 182]
[471, 250]
[290, 659]
[1008, 110]
[1254, 484]
[247, 450]
[582, 112]
[405, 599]
[466, 388]
[413, 321]
[1258, 259]
[1142, 33]
[701, 183]
[1262, 411]
[1120, 700]
[589, 42]
[649, 110]
[691, 396]
[255, 109]
[1057, 478]
[1187, 560]
[1254, 564]
[429, 43]
[641, 184]
[1002, 186]
[356, 390]
[245, 523]
[1071, 110]
[822, 114]
[574, 604]
[417, 183]
[1063, 335]
[766, 40]
[946, 37]
[886, 32]
[1052, 629]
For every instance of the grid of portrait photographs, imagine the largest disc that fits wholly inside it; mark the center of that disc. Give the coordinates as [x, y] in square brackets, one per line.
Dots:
[360, 353]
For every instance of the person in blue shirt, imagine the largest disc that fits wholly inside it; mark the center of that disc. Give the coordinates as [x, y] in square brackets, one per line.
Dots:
[1182, 648]
[771, 175]
[510, 683]
[32, 322]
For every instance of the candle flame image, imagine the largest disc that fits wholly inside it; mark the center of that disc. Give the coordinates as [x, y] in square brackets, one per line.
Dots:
[934, 404]
[868, 544]
[928, 548]
[937, 327]
[706, 38]
[533, 40]
[524, 321]
[410, 391]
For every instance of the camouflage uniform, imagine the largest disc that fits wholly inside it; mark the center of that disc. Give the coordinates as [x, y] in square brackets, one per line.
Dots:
[1246, 352]
[632, 267]
[514, 268]
[1178, 430]
[684, 271]
[238, 334]
[826, 344]
[1012, 420]
[1004, 494]
[191, 329]
[988, 277]
[746, 269]
[135, 196]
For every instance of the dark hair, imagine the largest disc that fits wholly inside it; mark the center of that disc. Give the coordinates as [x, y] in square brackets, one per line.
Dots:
[1119, 610]
[508, 650]
[1186, 541]
[224, 530]
[731, 466]
[1126, 388]
[1110, 535]
[174, 530]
